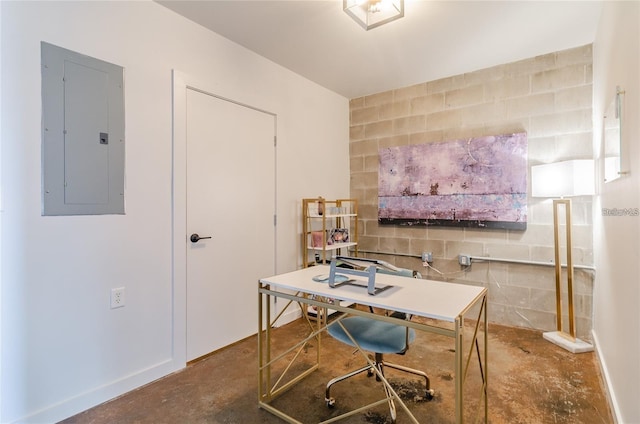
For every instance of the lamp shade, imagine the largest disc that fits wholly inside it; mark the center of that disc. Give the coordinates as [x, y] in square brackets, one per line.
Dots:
[563, 179]
[373, 13]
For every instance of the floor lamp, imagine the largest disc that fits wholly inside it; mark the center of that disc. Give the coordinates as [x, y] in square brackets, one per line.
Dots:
[560, 181]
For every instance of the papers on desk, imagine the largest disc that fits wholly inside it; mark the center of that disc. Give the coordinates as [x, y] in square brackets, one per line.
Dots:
[324, 278]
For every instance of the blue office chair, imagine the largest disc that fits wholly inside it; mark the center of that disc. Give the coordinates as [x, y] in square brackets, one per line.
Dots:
[379, 337]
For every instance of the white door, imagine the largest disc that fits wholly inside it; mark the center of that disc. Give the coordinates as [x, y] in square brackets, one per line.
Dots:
[230, 197]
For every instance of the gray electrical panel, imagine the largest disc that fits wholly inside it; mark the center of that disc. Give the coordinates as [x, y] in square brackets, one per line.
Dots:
[82, 134]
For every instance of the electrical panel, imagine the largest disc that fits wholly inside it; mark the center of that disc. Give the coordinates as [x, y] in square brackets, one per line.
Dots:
[82, 134]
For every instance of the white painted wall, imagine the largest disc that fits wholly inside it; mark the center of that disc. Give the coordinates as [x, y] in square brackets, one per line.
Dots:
[63, 349]
[617, 239]
[1, 196]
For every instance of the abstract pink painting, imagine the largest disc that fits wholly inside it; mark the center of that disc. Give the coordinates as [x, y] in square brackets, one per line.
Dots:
[478, 182]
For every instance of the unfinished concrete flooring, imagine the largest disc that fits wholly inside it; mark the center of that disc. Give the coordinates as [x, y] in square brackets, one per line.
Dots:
[530, 381]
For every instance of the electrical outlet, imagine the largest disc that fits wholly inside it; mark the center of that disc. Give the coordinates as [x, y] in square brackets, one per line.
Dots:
[117, 298]
[464, 260]
[427, 257]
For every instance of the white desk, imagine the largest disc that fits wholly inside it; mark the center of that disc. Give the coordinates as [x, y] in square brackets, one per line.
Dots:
[445, 302]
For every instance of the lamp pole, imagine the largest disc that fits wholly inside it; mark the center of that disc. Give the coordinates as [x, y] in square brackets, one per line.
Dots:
[556, 238]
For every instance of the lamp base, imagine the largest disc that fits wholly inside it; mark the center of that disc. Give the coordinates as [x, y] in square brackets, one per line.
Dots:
[577, 346]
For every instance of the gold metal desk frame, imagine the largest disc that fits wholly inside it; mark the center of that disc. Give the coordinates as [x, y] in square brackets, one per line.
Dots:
[316, 294]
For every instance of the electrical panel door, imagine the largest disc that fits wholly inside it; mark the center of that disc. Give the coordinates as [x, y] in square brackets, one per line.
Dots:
[83, 134]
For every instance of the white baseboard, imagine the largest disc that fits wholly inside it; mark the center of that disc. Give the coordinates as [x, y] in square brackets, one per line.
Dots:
[98, 395]
[610, 393]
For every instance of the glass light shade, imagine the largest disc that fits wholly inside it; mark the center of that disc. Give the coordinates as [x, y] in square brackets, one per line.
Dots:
[373, 13]
[563, 179]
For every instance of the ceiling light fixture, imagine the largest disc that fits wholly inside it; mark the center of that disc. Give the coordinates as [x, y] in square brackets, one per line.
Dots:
[370, 14]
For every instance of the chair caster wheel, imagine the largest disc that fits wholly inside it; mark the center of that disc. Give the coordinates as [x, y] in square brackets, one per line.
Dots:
[331, 402]
[429, 394]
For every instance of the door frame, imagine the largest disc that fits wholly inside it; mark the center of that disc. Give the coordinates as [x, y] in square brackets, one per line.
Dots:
[181, 82]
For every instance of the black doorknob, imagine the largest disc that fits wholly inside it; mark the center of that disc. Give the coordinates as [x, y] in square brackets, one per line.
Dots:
[195, 238]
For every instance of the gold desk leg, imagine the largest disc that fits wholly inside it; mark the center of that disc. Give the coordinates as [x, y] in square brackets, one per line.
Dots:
[461, 366]
[264, 344]
[459, 376]
[486, 361]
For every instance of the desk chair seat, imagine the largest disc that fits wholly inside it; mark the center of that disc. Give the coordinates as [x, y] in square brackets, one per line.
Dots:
[379, 337]
[372, 335]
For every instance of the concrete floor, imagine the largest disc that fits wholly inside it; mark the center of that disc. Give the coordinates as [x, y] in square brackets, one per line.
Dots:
[530, 381]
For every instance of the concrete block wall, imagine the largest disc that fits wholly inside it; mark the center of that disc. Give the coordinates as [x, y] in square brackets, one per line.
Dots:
[550, 98]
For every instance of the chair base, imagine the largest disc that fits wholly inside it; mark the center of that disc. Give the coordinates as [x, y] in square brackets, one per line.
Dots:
[380, 364]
